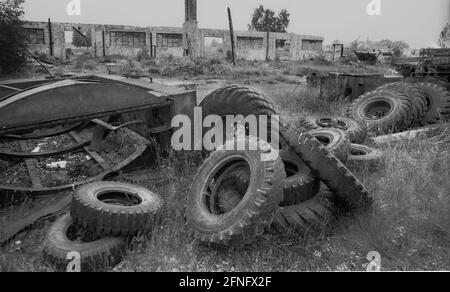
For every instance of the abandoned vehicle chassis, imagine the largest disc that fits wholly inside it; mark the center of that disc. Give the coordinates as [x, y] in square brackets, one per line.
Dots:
[142, 109]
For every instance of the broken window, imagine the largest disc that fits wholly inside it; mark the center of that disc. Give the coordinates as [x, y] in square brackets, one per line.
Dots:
[250, 43]
[34, 36]
[281, 44]
[311, 45]
[169, 40]
[213, 44]
[128, 39]
[282, 49]
[68, 37]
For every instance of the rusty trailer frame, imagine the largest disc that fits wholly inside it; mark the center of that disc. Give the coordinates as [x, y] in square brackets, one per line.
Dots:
[144, 109]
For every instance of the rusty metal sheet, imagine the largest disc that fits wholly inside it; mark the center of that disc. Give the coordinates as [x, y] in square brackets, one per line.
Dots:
[12, 87]
[70, 101]
[8, 155]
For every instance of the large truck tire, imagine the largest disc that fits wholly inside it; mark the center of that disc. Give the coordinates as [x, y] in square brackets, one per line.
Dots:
[112, 208]
[238, 100]
[411, 92]
[335, 140]
[438, 101]
[355, 131]
[299, 185]
[364, 157]
[382, 111]
[94, 256]
[313, 215]
[346, 187]
[208, 222]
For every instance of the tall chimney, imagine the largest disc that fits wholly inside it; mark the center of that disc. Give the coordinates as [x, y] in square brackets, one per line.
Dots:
[191, 10]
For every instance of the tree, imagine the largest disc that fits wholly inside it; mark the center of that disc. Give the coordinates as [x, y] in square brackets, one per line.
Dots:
[11, 33]
[444, 37]
[400, 45]
[265, 19]
[356, 45]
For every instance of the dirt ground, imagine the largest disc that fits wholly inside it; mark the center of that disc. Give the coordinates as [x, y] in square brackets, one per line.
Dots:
[409, 224]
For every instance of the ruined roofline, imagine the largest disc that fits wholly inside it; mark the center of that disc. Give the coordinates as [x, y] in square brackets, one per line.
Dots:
[142, 28]
[263, 34]
[137, 28]
[80, 23]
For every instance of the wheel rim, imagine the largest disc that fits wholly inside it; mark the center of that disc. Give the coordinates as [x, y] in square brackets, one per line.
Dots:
[119, 198]
[218, 180]
[377, 110]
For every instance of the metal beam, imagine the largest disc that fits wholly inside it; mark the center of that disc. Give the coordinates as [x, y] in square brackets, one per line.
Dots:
[32, 170]
[80, 33]
[105, 165]
[9, 87]
[50, 36]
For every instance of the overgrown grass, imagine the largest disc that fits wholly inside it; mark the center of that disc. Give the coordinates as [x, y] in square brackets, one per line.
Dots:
[85, 63]
[212, 68]
[410, 223]
[201, 68]
[293, 100]
[300, 68]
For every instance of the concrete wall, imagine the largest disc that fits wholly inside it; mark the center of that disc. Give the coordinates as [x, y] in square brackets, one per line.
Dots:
[249, 45]
[40, 48]
[243, 51]
[164, 51]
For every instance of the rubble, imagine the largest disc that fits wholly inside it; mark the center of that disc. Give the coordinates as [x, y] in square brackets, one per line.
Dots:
[57, 164]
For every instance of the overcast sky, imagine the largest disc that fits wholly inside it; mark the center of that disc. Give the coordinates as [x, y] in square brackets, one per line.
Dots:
[418, 22]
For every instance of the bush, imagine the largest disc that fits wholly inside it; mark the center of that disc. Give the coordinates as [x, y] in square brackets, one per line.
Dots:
[143, 55]
[84, 62]
[349, 60]
[11, 53]
[321, 60]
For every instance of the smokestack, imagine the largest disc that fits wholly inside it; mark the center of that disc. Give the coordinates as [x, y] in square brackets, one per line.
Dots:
[191, 9]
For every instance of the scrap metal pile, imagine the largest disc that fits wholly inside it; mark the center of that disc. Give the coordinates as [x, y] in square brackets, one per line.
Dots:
[59, 134]
[432, 62]
[47, 124]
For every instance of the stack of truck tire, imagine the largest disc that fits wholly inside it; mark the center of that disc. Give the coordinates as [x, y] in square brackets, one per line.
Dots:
[398, 106]
[237, 195]
[103, 217]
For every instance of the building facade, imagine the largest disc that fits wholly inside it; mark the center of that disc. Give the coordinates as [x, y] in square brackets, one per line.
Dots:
[189, 40]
